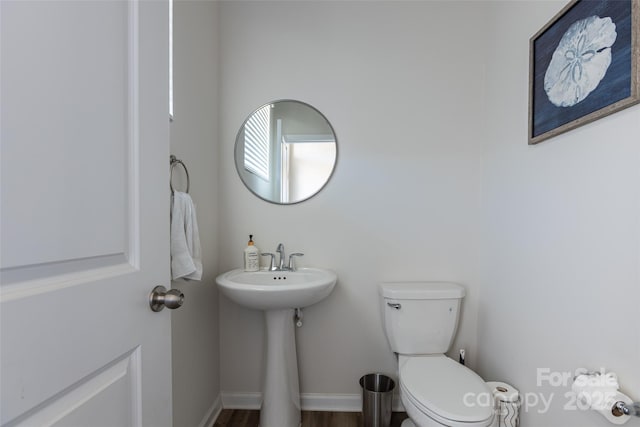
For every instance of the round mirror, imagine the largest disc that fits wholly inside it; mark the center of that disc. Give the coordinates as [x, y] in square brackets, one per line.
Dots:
[285, 152]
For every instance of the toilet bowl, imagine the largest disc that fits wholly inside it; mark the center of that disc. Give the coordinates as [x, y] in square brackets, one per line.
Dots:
[438, 391]
[420, 321]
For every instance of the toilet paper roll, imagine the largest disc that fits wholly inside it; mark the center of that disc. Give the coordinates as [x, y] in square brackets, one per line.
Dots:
[599, 391]
[503, 392]
[507, 404]
[608, 412]
[600, 379]
[591, 383]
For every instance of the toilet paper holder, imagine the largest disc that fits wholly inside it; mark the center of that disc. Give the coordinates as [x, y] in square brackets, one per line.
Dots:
[622, 408]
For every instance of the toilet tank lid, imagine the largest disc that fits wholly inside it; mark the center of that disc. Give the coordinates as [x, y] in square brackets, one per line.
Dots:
[421, 290]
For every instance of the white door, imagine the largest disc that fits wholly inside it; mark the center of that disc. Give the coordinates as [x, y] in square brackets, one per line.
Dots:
[84, 213]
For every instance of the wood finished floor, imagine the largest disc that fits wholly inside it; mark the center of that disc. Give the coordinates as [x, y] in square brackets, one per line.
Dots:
[247, 418]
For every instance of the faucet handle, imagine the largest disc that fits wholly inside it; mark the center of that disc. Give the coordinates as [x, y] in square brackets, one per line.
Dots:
[272, 264]
[292, 266]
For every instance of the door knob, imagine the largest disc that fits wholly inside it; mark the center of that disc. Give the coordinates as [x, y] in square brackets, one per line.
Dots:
[160, 298]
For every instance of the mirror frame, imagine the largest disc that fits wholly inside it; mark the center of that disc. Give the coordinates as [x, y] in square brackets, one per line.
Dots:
[240, 132]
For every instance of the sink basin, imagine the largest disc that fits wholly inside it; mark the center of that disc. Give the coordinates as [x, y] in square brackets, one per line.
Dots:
[275, 290]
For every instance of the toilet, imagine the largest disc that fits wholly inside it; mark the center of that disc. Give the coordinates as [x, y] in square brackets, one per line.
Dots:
[420, 322]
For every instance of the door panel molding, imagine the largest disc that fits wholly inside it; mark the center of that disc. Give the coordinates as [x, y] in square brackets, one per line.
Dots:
[18, 280]
[122, 374]
[32, 287]
[64, 235]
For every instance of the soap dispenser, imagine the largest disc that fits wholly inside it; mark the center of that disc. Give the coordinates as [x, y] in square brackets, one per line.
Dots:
[251, 256]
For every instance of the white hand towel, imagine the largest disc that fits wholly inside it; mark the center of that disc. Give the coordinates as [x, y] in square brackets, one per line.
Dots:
[186, 259]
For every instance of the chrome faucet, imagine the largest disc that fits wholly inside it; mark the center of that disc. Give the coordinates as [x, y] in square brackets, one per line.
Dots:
[281, 266]
[292, 266]
[280, 250]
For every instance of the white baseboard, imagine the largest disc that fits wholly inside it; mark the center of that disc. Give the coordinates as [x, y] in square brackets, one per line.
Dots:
[331, 402]
[308, 401]
[212, 414]
[235, 400]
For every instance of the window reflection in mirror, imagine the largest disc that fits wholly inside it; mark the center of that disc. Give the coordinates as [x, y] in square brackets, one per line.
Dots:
[285, 152]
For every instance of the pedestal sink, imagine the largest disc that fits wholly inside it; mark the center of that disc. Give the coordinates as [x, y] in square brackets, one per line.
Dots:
[278, 293]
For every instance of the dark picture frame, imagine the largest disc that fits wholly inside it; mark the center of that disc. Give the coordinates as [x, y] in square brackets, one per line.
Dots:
[583, 65]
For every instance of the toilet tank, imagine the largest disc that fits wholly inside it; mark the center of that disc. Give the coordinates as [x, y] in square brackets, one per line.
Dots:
[420, 317]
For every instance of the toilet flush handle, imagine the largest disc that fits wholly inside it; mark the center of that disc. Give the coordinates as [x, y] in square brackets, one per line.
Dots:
[394, 305]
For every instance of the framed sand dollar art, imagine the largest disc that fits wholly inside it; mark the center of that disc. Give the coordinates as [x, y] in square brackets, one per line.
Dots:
[583, 65]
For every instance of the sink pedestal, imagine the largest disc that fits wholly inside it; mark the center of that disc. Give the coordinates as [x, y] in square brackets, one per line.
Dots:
[281, 391]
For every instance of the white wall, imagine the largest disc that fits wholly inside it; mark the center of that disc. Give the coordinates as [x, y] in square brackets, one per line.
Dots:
[561, 236]
[194, 139]
[435, 180]
[402, 88]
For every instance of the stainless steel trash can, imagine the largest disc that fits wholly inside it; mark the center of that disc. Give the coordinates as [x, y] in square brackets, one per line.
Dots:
[377, 396]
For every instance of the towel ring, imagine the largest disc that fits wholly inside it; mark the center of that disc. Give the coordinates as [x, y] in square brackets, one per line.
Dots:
[173, 161]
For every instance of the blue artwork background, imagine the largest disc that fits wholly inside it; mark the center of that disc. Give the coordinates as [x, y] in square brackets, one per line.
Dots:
[616, 84]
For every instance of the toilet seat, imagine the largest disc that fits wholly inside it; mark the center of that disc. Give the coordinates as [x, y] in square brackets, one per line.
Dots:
[437, 386]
